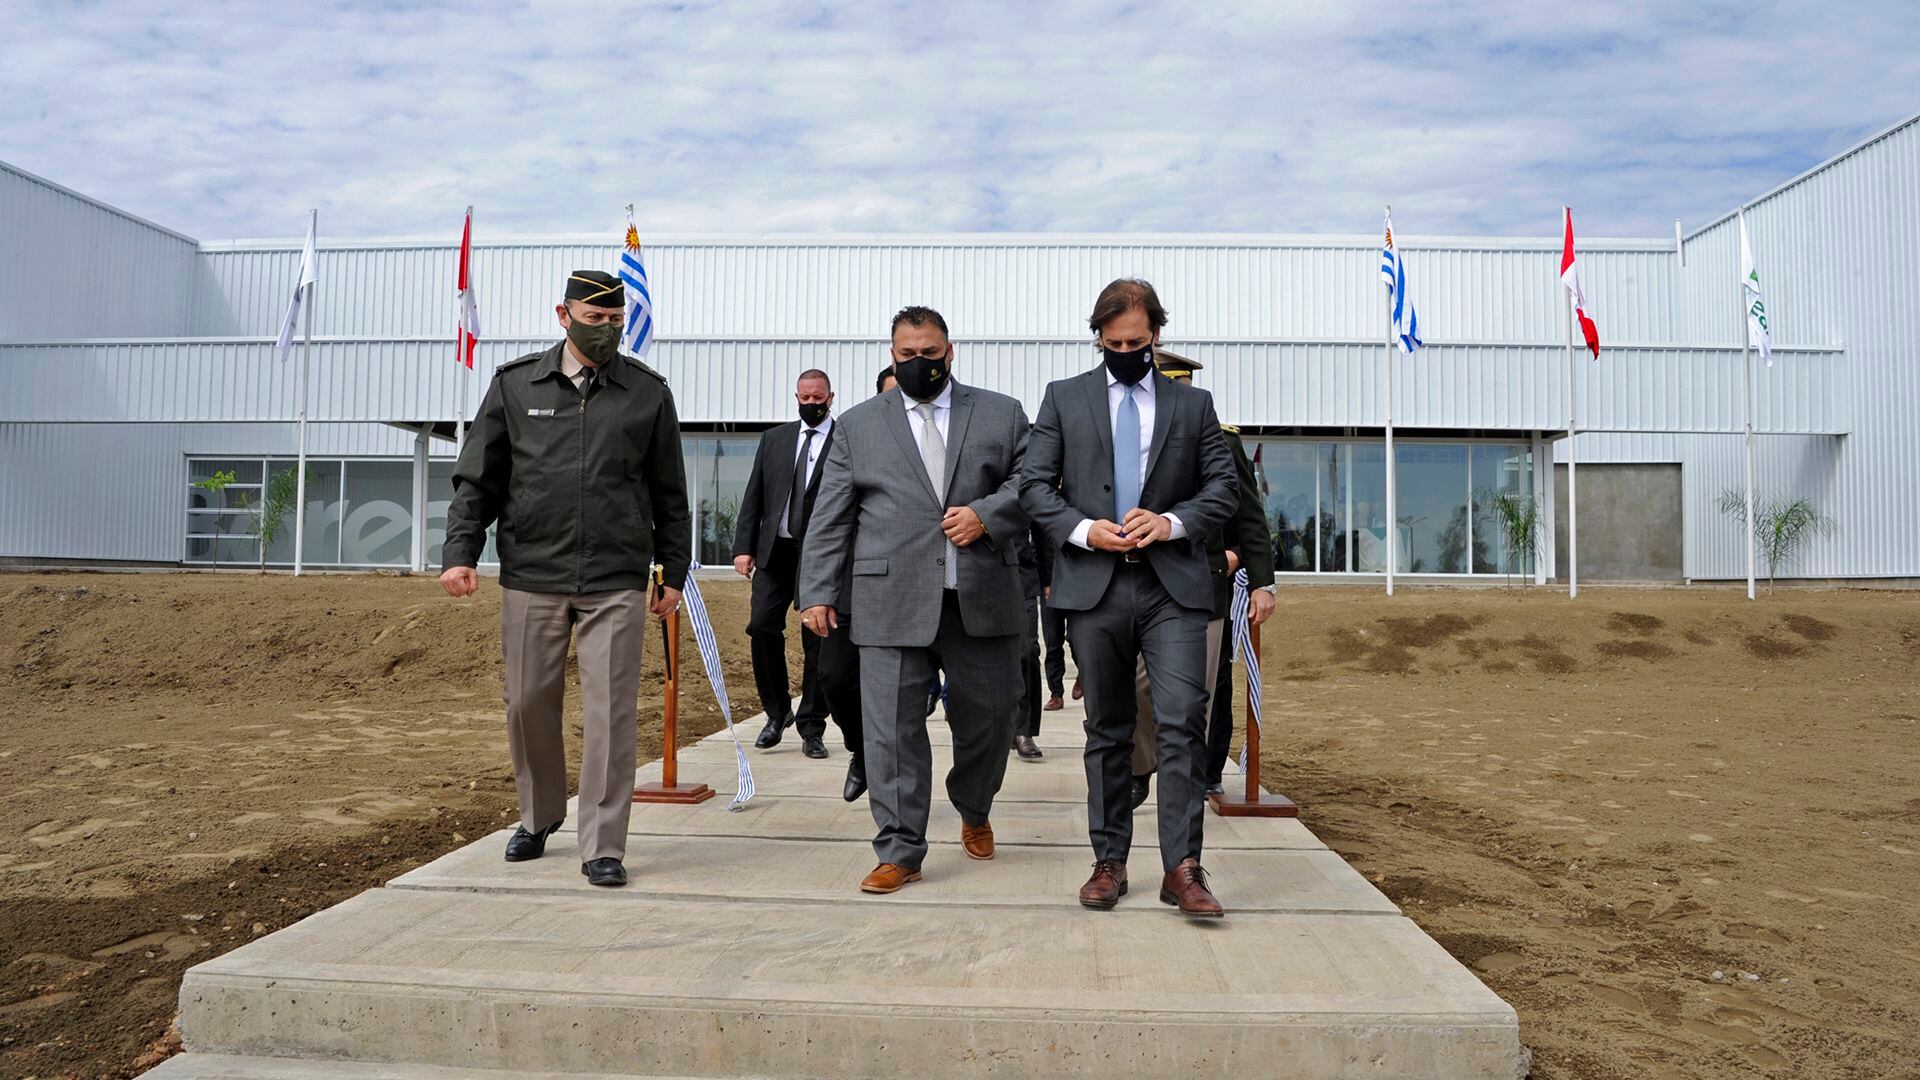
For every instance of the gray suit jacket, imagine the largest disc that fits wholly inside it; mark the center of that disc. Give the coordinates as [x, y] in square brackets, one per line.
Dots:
[877, 511]
[1068, 476]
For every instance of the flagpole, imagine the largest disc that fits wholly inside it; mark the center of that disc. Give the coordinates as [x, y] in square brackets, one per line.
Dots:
[300, 477]
[1392, 502]
[1746, 371]
[1573, 497]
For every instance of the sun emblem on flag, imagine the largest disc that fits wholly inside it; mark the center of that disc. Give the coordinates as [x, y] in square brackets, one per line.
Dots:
[633, 239]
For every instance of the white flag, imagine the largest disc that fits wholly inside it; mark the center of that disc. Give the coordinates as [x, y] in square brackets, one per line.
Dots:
[308, 268]
[1759, 332]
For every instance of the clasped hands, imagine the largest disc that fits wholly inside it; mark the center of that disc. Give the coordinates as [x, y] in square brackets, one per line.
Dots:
[1141, 528]
[961, 526]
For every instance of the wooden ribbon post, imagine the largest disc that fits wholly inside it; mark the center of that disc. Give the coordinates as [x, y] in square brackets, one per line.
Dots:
[1255, 802]
[668, 788]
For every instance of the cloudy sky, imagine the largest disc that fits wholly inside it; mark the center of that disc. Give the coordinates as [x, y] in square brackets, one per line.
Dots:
[230, 120]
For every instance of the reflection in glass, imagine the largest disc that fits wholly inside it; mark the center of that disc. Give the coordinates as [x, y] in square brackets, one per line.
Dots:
[376, 522]
[1366, 513]
[1286, 471]
[724, 464]
[1508, 470]
[1432, 508]
[322, 545]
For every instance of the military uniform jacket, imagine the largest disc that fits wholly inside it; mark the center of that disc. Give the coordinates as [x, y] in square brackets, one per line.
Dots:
[587, 483]
[1245, 532]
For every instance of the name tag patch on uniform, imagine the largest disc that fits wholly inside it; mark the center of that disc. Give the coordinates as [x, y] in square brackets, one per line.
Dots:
[540, 412]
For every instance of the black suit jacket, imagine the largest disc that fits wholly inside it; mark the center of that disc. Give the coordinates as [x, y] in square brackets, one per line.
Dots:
[770, 485]
[1068, 476]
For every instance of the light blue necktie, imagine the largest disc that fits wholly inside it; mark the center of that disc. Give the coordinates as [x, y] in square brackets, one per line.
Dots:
[1126, 456]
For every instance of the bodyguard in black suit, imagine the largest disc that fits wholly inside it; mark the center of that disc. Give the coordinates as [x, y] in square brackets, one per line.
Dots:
[766, 548]
[1126, 472]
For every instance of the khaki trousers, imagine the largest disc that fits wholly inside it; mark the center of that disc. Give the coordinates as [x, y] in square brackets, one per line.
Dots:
[534, 632]
[1145, 732]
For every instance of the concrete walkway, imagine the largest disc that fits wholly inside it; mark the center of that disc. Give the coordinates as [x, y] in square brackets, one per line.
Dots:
[743, 948]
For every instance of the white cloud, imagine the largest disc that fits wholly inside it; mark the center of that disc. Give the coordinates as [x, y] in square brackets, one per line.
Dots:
[774, 116]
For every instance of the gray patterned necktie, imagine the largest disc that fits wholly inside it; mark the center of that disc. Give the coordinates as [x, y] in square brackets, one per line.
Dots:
[933, 454]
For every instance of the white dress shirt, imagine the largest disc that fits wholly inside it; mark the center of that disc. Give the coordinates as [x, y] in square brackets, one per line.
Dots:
[1143, 400]
[813, 459]
[942, 410]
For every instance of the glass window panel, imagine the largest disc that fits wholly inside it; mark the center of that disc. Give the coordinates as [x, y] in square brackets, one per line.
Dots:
[322, 544]
[234, 551]
[1432, 508]
[1286, 472]
[376, 524]
[439, 495]
[1335, 541]
[724, 466]
[221, 522]
[1499, 470]
[244, 470]
[1366, 507]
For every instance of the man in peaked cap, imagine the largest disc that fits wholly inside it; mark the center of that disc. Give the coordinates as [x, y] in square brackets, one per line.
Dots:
[576, 453]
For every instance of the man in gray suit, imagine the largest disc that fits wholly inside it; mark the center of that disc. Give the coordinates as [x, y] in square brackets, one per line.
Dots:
[1126, 473]
[918, 498]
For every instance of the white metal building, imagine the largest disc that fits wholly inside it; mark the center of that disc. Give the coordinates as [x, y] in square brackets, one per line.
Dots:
[135, 360]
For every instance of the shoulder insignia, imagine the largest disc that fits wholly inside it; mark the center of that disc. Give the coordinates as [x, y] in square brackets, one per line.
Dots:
[643, 366]
[1231, 429]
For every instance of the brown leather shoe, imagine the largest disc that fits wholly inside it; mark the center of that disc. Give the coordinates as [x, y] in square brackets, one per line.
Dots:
[888, 878]
[1186, 885]
[1054, 704]
[978, 840]
[1107, 885]
[1078, 691]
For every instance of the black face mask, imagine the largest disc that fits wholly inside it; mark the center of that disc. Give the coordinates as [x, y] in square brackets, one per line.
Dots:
[1129, 367]
[812, 412]
[922, 377]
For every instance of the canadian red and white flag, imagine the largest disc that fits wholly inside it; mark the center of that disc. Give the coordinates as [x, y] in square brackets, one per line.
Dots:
[1570, 277]
[469, 303]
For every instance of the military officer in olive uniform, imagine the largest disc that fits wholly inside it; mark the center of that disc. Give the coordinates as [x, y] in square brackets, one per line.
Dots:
[576, 453]
[1243, 541]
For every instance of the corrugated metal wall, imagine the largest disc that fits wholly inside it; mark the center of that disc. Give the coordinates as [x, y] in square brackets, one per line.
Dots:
[1276, 385]
[138, 278]
[1243, 289]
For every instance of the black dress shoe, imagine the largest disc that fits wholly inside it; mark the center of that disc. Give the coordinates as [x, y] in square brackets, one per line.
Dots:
[770, 735]
[1215, 789]
[856, 779]
[524, 845]
[813, 747]
[1137, 791]
[604, 872]
[1027, 748]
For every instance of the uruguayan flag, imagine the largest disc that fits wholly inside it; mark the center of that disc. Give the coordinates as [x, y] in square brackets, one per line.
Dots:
[1393, 271]
[1243, 645]
[710, 659]
[638, 335]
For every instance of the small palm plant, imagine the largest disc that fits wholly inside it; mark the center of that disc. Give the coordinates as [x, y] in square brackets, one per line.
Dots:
[1782, 526]
[283, 491]
[1519, 519]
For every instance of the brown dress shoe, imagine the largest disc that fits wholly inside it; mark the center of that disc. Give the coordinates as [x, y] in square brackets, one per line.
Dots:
[1107, 885]
[1054, 704]
[978, 840]
[1186, 885]
[1078, 692]
[888, 878]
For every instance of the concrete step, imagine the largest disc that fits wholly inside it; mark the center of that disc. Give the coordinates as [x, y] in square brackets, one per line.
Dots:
[229, 1067]
[570, 982]
[820, 872]
[813, 814]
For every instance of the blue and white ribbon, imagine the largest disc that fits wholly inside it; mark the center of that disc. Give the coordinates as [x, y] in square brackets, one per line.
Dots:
[710, 658]
[1243, 647]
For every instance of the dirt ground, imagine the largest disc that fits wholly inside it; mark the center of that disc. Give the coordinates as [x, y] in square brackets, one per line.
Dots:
[1679, 832]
